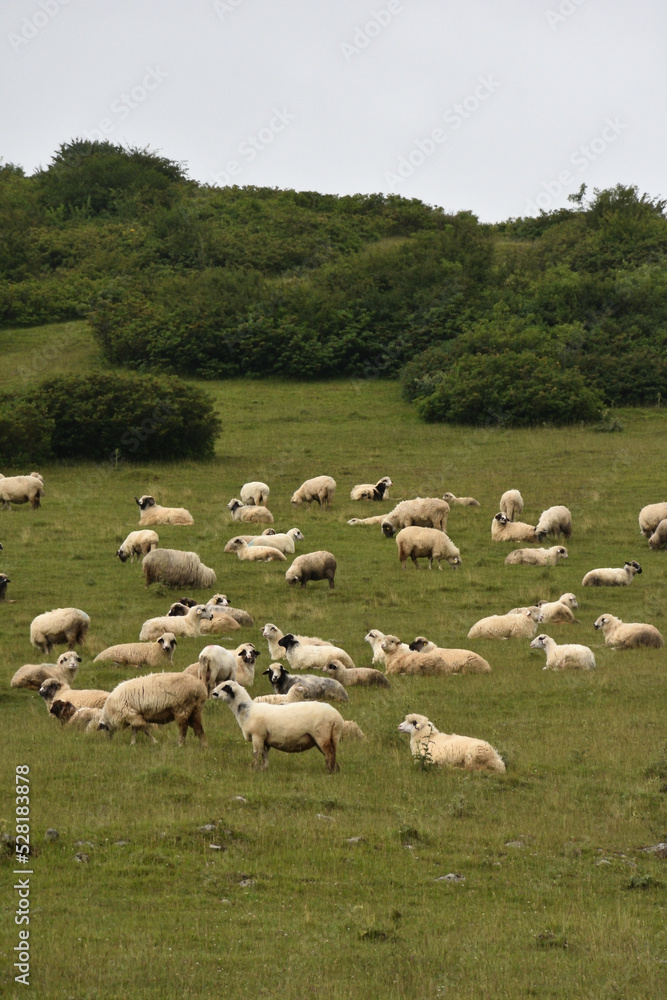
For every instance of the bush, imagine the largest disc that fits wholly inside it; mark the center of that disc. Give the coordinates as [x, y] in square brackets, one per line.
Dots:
[25, 433]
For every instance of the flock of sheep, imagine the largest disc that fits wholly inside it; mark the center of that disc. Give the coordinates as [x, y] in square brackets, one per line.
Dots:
[298, 715]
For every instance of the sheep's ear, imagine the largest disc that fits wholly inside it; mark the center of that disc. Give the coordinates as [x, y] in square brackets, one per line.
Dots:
[267, 671]
[417, 725]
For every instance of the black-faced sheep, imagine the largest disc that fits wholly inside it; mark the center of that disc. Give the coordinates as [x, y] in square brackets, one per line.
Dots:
[21, 489]
[273, 635]
[628, 635]
[554, 521]
[254, 494]
[176, 568]
[621, 577]
[152, 513]
[511, 504]
[249, 513]
[537, 557]
[319, 490]
[442, 661]
[138, 543]
[504, 530]
[428, 743]
[87, 719]
[570, 656]
[424, 512]
[368, 491]
[320, 565]
[315, 687]
[156, 655]
[33, 675]
[311, 656]
[650, 517]
[61, 626]
[416, 543]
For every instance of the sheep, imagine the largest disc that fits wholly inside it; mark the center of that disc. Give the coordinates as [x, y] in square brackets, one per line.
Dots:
[21, 489]
[320, 565]
[366, 676]
[537, 557]
[296, 693]
[428, 743]
[255, 494]
[156, 655]
[461, 501]
[285, 541]
[250, 514]
[272, 634]
[176, 568]
[569, 657]
[186, 625]
[612, 577]
[554, 521]
[366, 491]
[62, 625]
[33, 675]
[511, 504]
[254, 553]
[4, 580]
[306, 656]
[227, 664]
[558, 612]
[463, 659]
[321, 490]
[291, 728]
[221, 608]
[504, 530]
[505, 626]
[316, 687]
[425, 512]
[375, 638]
[217, 624]
[85, 718]
[138, 543]
[376, 519]
[628, 635]
[352, 731]
[416, 543]
[650, 517]
[445, 661]
[658, 539]
[55, 689]
[152, 513]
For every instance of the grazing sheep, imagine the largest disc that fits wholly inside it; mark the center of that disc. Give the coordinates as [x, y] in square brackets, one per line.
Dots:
[417, 543]
[21, 489]
[254, 494]
[458, 658]
[291, 728]
[554, 521]
[511, 504]
[4, 580]
[296, 693]
[152, 513]
[227, 664]
[628, 635]
[612, 577]
[33, 675]
[249, 513]
[186, 625]
[62, 625]
[537, 557]
[316, 687]
[424, 512]
[320, 565]
[658, 539]
[505, 626]
[312, 656]
[366, 676]
[376, 519]
[176, 568]
[366, 491]
[428, 743]
[321, 490]
[568, 657]
[650, 517]
[272, 634]
[55, 689]
[285, 541]
[558, 612]
[375, 639]
[461, 501]
[158, 655]
[254, 553]
[138, 543]
[504, 530]
[87, 719]
[441, 661]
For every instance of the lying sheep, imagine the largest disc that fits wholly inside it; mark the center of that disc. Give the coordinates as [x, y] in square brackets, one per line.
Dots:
[537, 557]
[4, 580]
[554, 521]
[505, 626]
[255, 494]
[461, 501]
[285, 541]
[628, 635]
[254, 553]
[62, 625]
[291, 728]
[461, 660]
[187, 626]
[504, 530]
[312, 656]
[21, 489]
[137, 544]
[428, 743]
[511, 504]
[429, 543]
[568, 657]
[320, 565]
[273, 635]
[217, 624]
[320, 490]
[54, 689]
[352, 731]
[227, 664]
[86, 719]
[176, 568]
[296, 693]
[558, 612]
[315, 687]
[376, 519]
[368, 491]
[249, 513]
[441, 661]
[220, 605]
[33, 675]
[375, 638]
[221, 608]
[658, 539]
[152, 513]
[424, 512]
[650, 517]
[612, 577]
[158, 655]
[366, 676]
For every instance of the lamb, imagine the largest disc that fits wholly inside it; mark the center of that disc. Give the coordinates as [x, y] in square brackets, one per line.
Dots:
[568, 657]
[291, 728]
[537, 557]
[86, 718]
[554, 521]
[461, 660]
[366, 491]
[558, 612]
[416, 543]
[425, 512]
[158, 655]
[504, 530]
[321, 490]
[461, 501]
[227, 664]
[446, 661]
[254, 553]
[138, 543]
[62, 625]
[21, 489]
[249, 513]
[658, 539]
[628, 635]
[152, 513]
[505, 626]
[650, 517]
[375, 639]
[255, 494]
[54, 689]
[186, 625]
[428, 743]
[33, 675]
[285, 541]
[612, 577]
[366, 676]
[272, 634]
[296, 693]
[319, 565]
[511, 504]
[176, 568]
[312, 656]
[316, 687]
[376, 519]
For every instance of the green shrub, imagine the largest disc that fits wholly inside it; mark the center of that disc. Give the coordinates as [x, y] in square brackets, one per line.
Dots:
[25, 433]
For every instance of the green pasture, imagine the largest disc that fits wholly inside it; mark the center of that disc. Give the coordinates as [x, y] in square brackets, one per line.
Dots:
[305, 885]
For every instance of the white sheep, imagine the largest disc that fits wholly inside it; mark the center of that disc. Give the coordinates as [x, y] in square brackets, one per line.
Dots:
[249, 513]
[368, 491]
[273, 634]
[153, 513]
[375, 638]
[348, 677]
[316, 687]
[537, 557]
[568, 657]
[440, 661]
[255, 494]
[285, 541]
[460, 501]
[137, 544]
[33, 675]
[511, 504]
[320, 490]
[554, 521]
[219, 603]
[376, 519]
[505, 626]
[558, 612]
[55, 689]
[176, 568]
[460, 660]
[227, 664]
[628, 635]
[21, 489]
[312, 656]
[156, 655]
[296, 693]
[54, 628]
[291, 728]
[428, 743]
[320, 565]
[218, 624]
[658, 539]
[504, 530]
[430, 543]
[187, 626]
[424, 512]
[253, 553]
[650, 517]
[612, 577]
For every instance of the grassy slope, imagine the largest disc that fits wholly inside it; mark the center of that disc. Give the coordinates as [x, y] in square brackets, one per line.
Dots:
[289, 906]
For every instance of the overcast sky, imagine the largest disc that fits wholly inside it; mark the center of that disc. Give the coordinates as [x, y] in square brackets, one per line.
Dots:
[499, 107]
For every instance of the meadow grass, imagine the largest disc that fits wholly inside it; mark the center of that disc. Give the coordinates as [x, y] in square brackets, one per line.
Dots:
[317, 886]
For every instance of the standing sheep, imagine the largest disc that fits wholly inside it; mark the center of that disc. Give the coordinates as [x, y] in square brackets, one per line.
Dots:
[554, 521]
[366, 491]
[157, 655]
[249, 513]
[511, 504]
[612, 577]
[62, 625]
[658, 539]
[227, 664]
[568, 657]
[425, 512]
[138, 543]
[33, 675]
[21, 489]
[152, 513]
[537, 557]
[416, 543]
[320, 490]
[254, 494]
[628, 635]
[504, 530]
[650, 517]
[320, 565]
[428, 743]
[176, 568]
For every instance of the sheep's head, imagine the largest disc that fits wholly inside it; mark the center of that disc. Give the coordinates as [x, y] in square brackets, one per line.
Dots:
[63, 710]
[269, 630]
[122, 555]
[296, 499]
[388, 529]
[604, 621]
[454, 561]
[293, 576]
[418, 644]
[296, 534]
[177, 610]
[227, 691]
[633, 566]
[414, 723]
[145, 501]
[69, 659]
[168, 642]
[275, 672]
[220, 599]
[288, 641]
[390, 643]
[234, 544]
[269, 531]
[203, 613]
[50, 688]
[501, 518]
[247, 653]
[570, 600]
[539, 642]
[561, 551]
[372, 635]
[234, 504]
[333, 666]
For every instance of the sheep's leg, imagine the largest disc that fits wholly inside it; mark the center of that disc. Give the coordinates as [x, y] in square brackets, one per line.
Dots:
[182, 731]
[260, 753]
[196, 723]
[331, 583]
[328, 748]
[414, 559]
